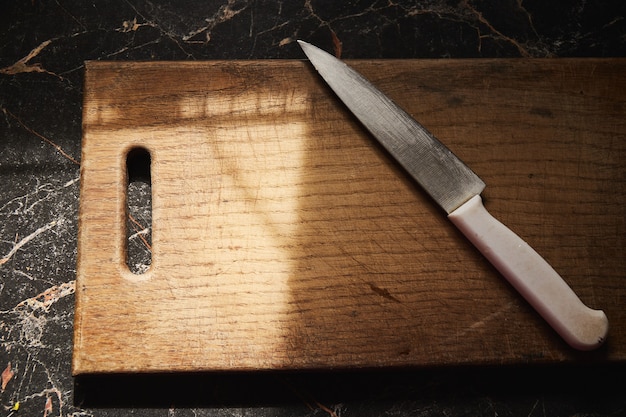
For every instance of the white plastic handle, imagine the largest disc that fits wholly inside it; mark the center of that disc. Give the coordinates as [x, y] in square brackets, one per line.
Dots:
[580, 326]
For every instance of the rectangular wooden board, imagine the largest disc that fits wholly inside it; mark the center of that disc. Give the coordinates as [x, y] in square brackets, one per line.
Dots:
[284, 237]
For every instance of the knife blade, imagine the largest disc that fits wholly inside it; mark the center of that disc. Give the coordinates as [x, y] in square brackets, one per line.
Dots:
[456, 189]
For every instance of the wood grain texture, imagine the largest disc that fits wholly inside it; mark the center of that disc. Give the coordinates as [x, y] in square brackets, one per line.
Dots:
[285, 238]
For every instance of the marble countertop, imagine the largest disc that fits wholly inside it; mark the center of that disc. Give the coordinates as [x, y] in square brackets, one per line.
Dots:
[43, 46]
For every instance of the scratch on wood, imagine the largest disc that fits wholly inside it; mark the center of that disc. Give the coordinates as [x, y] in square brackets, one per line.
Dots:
[383, 292]
[479, 324]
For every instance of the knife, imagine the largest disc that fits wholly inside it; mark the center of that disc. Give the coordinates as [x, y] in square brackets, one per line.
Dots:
[456, 188]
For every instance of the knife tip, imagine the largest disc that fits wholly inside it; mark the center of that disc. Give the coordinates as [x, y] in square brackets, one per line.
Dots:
[309, 50]
[303, 45]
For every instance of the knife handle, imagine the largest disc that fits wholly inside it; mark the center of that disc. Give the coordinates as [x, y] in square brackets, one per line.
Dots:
[580, 326]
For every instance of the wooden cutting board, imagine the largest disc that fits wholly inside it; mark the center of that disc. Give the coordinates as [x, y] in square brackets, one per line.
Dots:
[283, 236]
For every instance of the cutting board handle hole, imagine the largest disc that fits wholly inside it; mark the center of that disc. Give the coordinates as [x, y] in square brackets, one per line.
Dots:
[138, 238]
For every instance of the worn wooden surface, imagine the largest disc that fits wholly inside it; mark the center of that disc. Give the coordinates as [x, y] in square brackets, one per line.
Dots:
[285, 238]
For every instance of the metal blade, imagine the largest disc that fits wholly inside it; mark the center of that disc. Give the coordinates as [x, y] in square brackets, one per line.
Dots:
[444, 176]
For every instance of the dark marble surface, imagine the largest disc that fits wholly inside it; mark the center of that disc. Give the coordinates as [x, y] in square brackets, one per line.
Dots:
[43, 44]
